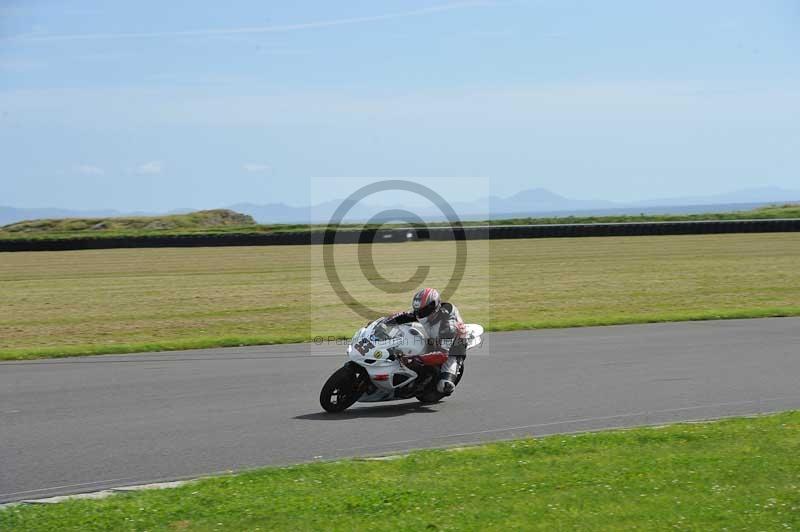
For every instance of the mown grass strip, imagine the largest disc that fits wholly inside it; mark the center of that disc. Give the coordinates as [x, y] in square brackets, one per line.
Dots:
[228, 341]
[117, 301]
[120, 349]
[736, 474]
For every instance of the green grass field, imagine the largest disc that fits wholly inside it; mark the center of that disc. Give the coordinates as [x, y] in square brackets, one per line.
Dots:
[739, 474]
[127, 300]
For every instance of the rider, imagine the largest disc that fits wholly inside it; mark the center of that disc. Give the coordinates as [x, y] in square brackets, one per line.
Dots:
[445, 328]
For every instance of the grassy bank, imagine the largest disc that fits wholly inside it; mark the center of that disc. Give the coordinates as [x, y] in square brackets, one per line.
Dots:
[114, 301]
[199, 222]
[740, 474]
[222, 221]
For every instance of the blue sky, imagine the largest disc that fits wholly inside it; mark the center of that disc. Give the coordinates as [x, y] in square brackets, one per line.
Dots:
[160, 105]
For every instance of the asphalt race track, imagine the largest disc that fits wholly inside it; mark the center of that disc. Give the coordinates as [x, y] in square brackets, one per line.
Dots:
[85, 424]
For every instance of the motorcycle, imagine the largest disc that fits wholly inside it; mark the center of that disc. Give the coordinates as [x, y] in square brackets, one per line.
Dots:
[390, 362]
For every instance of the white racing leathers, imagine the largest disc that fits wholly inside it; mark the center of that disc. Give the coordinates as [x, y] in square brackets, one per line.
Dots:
[445, 329]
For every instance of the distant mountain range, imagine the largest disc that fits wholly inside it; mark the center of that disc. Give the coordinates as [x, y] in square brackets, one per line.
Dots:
[532, 202]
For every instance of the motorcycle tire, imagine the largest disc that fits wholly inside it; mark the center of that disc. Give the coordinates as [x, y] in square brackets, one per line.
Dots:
[341, 390]
[432, 395]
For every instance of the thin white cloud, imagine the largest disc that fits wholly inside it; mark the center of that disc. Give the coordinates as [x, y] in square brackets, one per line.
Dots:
[257, 168]
[20, 65]
[89, 169]
[558, 104]
[150, 168]
[252, 29]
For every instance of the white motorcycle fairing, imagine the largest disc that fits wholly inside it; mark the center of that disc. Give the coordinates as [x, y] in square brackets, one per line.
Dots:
[370, 349]
[389, 362]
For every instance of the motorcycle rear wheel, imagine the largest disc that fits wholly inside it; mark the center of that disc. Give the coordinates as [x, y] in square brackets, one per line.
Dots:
[341, 390]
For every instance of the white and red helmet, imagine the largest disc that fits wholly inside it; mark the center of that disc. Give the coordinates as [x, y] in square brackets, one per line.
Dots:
[426, 302]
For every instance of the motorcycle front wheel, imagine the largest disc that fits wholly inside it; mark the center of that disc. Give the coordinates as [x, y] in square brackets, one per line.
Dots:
[341, 390]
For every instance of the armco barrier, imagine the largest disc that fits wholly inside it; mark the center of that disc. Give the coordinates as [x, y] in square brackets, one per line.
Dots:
[347, 236]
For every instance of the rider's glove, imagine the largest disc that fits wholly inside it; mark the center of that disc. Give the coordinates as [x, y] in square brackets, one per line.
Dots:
[400, 318]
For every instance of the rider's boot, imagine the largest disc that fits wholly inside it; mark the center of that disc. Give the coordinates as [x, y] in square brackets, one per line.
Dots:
[446, 384]
[447, 376]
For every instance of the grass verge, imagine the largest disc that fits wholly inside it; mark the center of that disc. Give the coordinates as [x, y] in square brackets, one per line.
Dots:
[736, 474]
[208, 343]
